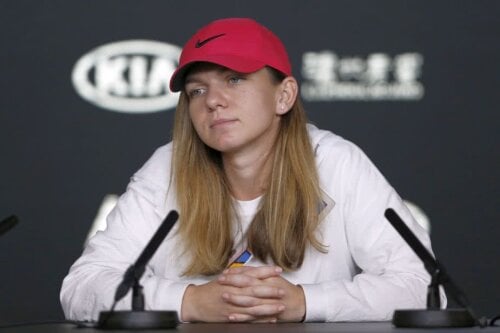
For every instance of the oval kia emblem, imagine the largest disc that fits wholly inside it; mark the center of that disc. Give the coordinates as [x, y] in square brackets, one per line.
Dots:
[129, 76]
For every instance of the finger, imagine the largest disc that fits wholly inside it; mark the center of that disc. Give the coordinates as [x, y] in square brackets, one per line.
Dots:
[265, 320]
[238, 317]
[260, 291]
[253, 296]
[241, 317]
[265, 312]
[265, 291]
[237, 280]
[241, 300]
[261, 272]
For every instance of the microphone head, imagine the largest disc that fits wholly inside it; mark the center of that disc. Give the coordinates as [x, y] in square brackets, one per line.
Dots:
[173, 215]
[8, 224]
[391, 215]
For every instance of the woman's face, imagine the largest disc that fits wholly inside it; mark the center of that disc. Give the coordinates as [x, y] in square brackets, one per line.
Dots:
[233, 112]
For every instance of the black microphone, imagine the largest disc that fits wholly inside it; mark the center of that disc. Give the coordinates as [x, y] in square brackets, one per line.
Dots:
[433, 316]
[138, 318]
[8, 223]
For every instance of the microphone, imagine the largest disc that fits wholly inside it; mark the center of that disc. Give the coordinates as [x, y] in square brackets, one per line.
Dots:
[433, 316]
[8, 223]
[138, 318]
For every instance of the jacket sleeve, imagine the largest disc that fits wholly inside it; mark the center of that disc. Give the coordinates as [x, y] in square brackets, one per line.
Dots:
[389, 275]
[92, 280]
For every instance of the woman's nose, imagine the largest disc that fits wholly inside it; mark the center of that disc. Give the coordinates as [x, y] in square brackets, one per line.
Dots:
[216, 98]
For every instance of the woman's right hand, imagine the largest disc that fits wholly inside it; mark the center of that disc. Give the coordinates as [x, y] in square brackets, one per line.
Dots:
[206, 302]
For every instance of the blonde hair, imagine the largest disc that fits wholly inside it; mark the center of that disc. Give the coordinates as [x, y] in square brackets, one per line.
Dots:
[287, 218]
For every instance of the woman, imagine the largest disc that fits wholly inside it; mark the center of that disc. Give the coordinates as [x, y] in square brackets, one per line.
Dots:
[279, 221]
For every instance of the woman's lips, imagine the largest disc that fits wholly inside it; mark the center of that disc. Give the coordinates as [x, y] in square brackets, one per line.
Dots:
[222, 122]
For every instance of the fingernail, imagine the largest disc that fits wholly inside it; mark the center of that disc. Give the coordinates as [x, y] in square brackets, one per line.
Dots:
[278, 269]
[281, 308]
[232, 318]
[281, 292]
[222, 278]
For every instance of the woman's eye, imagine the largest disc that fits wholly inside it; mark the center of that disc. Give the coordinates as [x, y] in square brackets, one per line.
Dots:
[235, 79]
[195, 92]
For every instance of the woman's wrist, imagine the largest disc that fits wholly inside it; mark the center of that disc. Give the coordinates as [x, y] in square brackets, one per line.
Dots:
[187, 310]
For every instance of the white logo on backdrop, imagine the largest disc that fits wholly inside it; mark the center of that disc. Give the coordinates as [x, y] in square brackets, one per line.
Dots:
[329, 77]
[128, 76]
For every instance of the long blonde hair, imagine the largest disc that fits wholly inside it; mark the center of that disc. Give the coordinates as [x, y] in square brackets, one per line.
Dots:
[287, 218]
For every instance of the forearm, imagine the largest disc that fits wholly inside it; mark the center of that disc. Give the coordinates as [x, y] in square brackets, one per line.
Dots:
[365, 298]
[90, 289]
[85, 292]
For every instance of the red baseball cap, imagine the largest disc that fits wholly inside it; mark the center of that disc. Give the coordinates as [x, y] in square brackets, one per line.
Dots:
[240, 44]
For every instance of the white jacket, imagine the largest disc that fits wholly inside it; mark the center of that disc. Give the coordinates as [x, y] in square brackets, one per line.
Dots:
[367, 272]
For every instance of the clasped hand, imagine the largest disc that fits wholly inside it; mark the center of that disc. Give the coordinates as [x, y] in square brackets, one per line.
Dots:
[245, 294]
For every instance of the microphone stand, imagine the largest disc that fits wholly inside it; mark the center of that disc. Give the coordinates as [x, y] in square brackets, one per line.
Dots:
[433, 315]
[138, 318]
[137, 297]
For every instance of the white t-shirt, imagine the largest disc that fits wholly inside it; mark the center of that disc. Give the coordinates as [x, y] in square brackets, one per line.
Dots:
[246, 211]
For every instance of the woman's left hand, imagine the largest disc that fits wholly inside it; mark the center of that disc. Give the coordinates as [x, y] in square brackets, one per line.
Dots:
[258, 285]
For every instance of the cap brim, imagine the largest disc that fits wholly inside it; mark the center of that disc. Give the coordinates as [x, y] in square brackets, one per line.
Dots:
[235, 63]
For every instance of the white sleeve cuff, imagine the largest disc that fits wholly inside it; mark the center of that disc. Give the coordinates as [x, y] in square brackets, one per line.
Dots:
[170, 297]
[316, 302]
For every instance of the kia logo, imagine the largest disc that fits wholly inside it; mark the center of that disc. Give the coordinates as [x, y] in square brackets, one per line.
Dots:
[128, 76]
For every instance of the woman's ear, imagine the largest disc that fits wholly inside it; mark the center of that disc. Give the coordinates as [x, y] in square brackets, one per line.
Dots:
[287, 94]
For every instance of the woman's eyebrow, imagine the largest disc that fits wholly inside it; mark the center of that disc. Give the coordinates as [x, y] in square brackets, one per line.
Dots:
[188, 80]
[193, 77]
